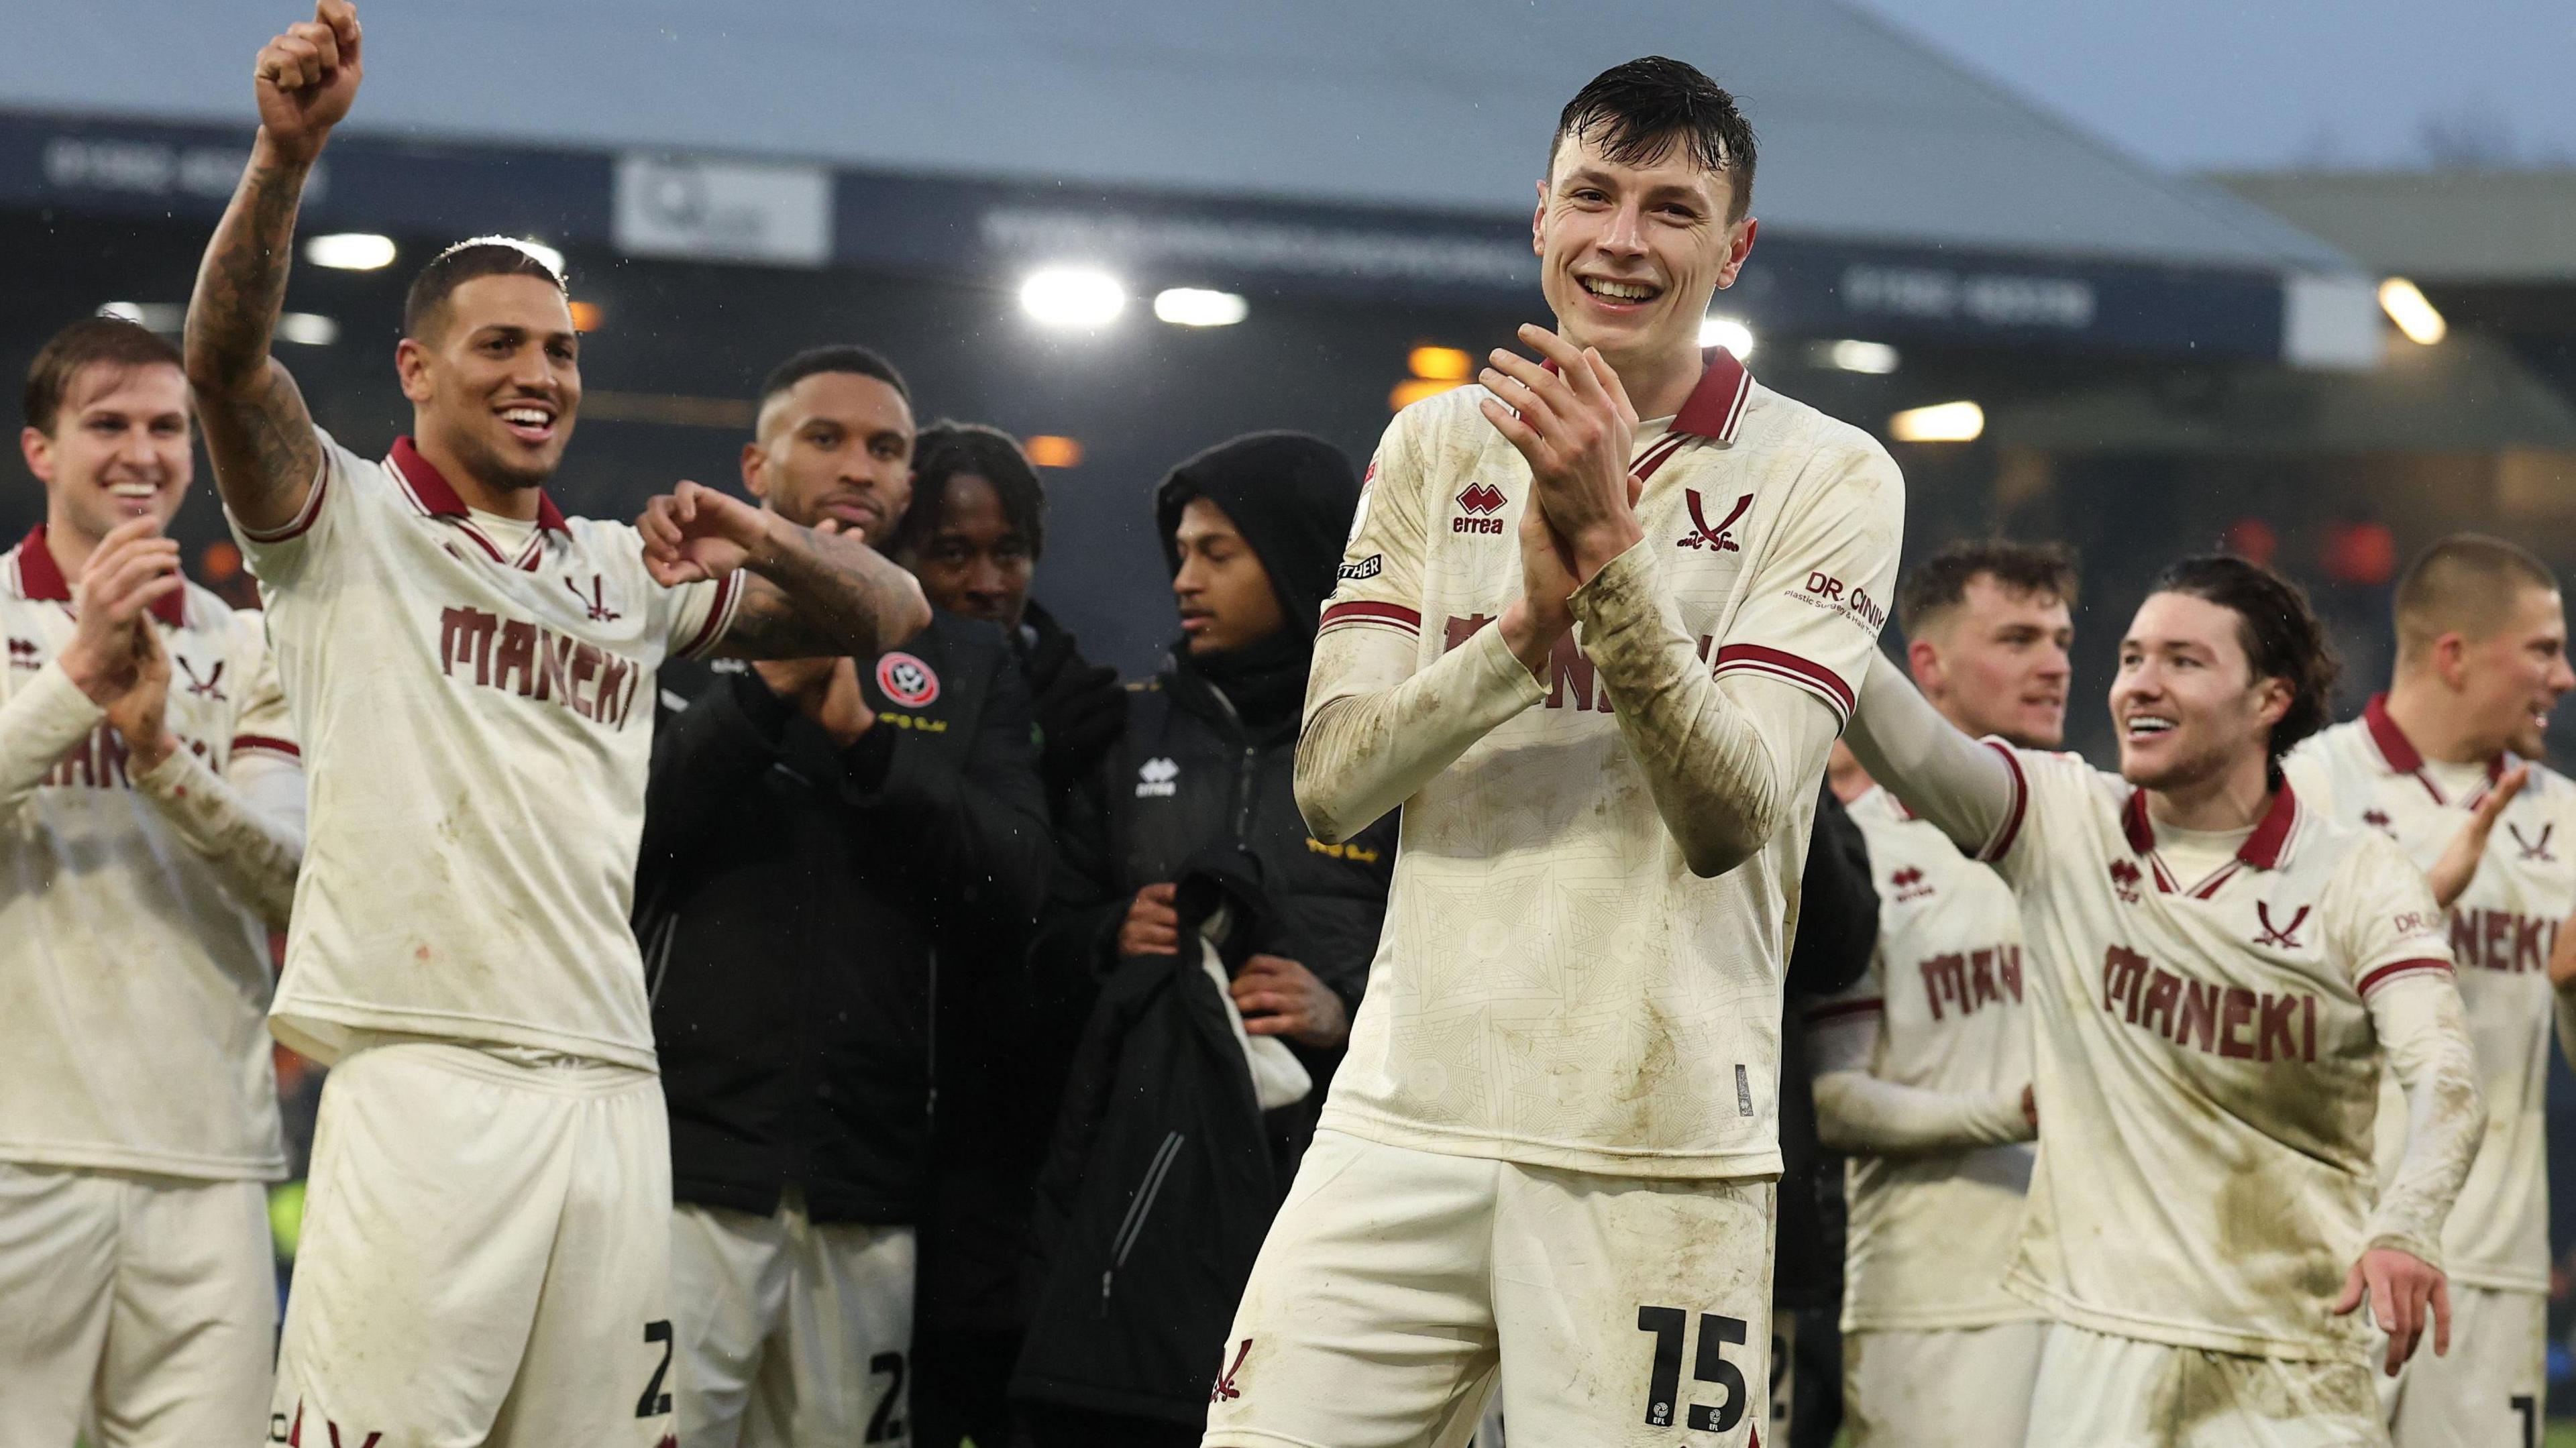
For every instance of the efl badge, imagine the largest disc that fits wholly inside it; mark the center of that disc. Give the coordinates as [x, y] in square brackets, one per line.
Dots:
[907, 680]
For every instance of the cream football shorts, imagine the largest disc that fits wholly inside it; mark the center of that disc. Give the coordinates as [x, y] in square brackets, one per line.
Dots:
[485, 1257]
[1396, 1284]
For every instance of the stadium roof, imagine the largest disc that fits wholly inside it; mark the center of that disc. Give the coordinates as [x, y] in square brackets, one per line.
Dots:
[2433, 226]
[1350, 146]
[1427, 104]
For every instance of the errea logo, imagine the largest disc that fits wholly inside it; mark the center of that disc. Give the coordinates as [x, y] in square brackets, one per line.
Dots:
[2124, 881]
[1158, 779]
[1480, 500]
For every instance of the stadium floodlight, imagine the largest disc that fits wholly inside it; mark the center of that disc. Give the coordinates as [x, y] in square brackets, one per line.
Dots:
[1853, 355]
[308, 329]
[1940, 422]
[2405, 305]
[1726, 332]
[350, 251]
[1072, 296]
[1199, 307]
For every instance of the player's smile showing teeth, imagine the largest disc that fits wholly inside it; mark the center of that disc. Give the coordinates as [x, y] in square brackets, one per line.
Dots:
[529, 422]
[1611, 290]
[2146, 726]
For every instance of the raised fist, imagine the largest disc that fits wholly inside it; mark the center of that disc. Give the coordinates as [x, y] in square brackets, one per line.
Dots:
[306, 78]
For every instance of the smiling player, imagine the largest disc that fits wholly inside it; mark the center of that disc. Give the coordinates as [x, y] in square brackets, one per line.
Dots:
[2218, 972]
[2481, 662]
[487, 1234]
[1552, 1146]
[150, 844]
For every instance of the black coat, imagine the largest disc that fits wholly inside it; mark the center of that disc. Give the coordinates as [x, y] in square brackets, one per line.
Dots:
[1163, 1172]
[1188, 774]
[805, 908]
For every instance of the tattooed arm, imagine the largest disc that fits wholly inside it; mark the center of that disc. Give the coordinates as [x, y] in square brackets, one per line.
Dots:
[808, 592]
[257, 429]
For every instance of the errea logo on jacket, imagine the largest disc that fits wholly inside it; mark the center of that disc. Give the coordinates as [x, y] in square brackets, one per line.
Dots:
[1157, 779]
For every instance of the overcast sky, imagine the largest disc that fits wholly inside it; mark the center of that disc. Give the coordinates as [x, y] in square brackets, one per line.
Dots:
[2203, 84]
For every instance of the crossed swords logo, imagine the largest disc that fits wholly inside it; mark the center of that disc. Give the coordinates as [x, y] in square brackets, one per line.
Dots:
[2534, 849]
[596, 603]
[210, 687]
[2285, 936]
[1704, 536]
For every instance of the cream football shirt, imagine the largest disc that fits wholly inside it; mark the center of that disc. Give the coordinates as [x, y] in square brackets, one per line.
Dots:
[1932, 1234]
[2206, 1038]
[1553, 984]
[2368, 775]
[134, 982]
[478, 717]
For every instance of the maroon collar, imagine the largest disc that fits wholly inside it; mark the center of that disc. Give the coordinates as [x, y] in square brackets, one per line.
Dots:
[438, 496]
[2262, 849]
[41, 578]
[2400, 752]
[1715, 407]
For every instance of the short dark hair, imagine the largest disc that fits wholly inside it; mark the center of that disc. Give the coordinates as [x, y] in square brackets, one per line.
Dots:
[840, 358]
[2279, 630]
[482, 256]
[112, 341]
[1940, 583]
[946, 451]
[2465, 582]
[1640, 109]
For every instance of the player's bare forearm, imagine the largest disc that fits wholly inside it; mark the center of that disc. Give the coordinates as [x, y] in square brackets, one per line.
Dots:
[1367, 749]
[258, 432]
[810, 594]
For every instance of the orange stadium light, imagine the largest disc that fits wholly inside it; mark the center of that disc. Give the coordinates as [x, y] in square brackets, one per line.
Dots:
[1049, 450]
[1440, 364]
[586, 316]
[1413, 389]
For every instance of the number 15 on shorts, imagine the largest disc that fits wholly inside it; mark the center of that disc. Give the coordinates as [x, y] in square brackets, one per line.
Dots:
[1709, 1365]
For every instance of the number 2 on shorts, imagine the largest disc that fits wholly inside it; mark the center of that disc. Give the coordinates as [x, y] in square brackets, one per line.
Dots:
[1668, 1324]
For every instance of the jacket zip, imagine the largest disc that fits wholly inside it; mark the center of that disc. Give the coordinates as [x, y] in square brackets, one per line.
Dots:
[1138, 1208]
[1243, 778]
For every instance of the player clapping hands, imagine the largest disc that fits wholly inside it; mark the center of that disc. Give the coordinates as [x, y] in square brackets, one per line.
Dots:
[113, 645]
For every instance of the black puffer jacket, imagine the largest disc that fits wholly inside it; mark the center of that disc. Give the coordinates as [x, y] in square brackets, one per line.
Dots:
[806, 909]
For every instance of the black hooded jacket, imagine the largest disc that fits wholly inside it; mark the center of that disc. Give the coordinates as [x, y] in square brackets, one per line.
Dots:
[1201, 787]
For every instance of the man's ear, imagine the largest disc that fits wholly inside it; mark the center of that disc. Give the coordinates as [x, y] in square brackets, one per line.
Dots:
[411, 364]
[2451, 659]
[755, 469]
[38, 450]
[1538, 221]
[2278, 695]
[1924, 662]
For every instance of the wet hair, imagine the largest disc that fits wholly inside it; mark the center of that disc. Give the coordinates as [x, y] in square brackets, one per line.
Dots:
[843, 357]
[111, 341]
[482, 256]
[946, 451]
[1940, 583]
[1638, 110]
[2465, 583]
[2279, 630]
